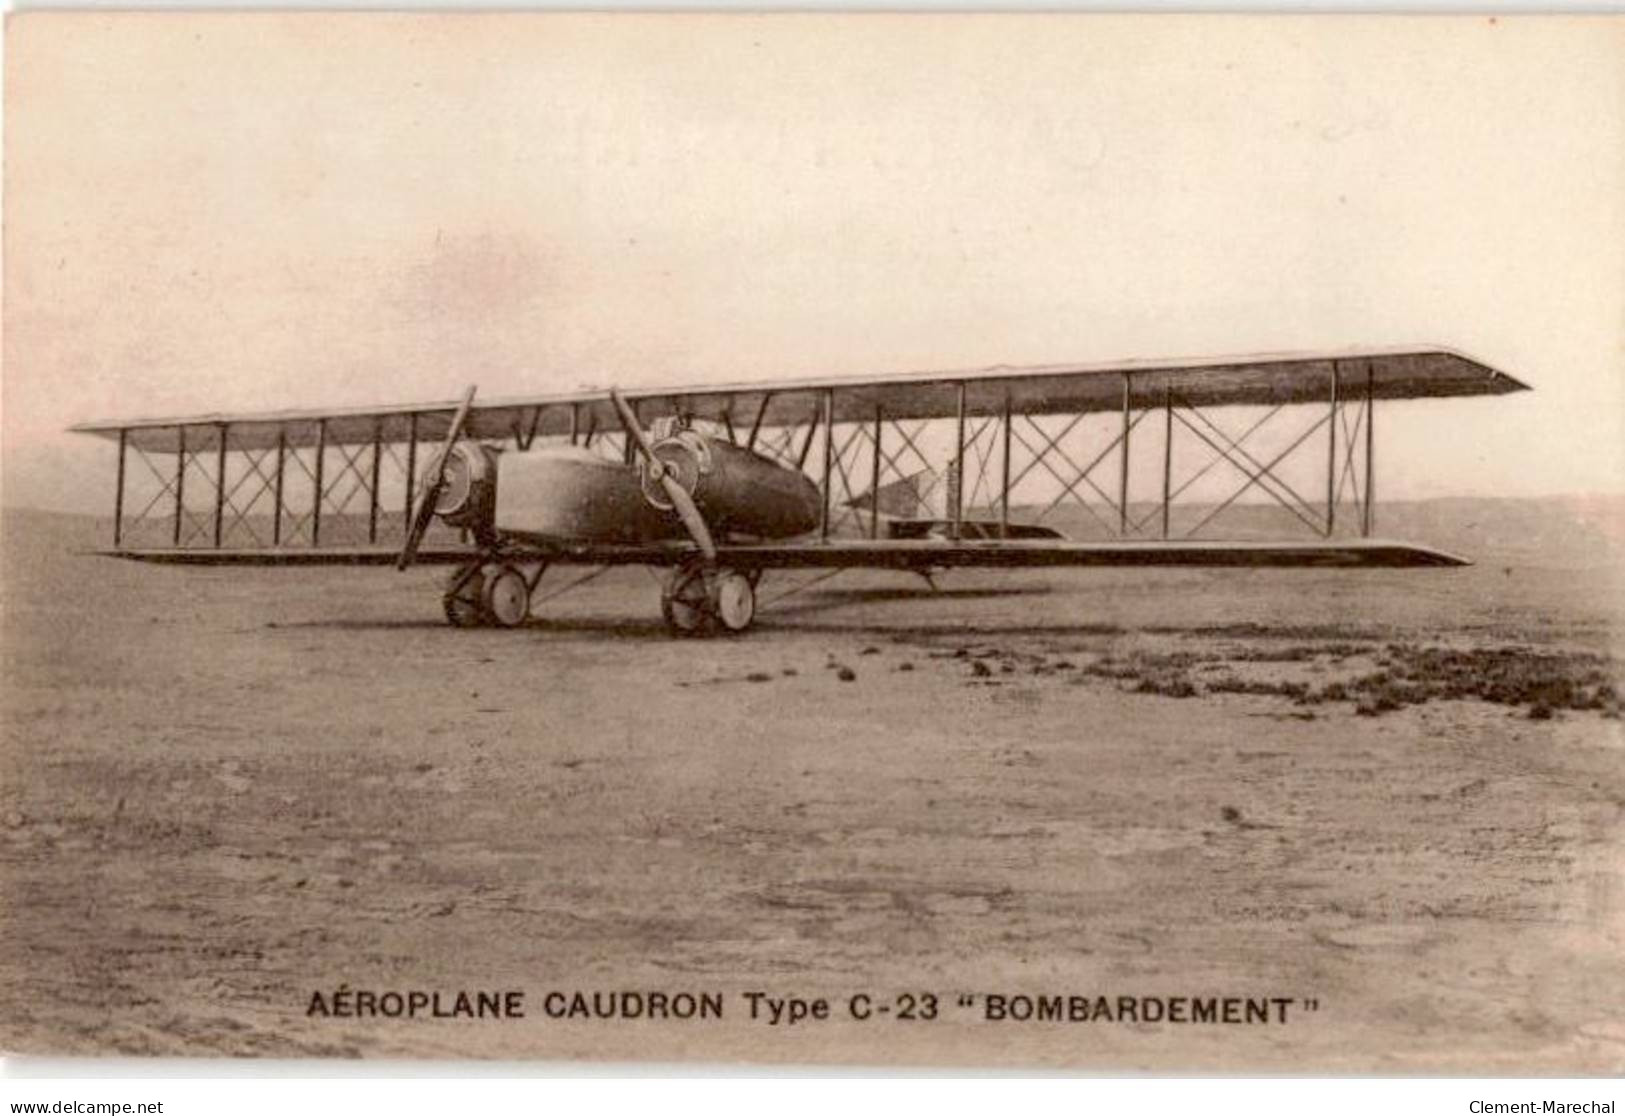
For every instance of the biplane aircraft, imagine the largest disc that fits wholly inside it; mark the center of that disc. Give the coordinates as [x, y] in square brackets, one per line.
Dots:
[718, 485]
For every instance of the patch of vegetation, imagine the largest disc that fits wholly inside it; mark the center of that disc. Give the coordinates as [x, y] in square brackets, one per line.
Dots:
[1141, 665]
[1507, 676]
[1546, 682]
[1111, 668]
[1230, 684]
[1299, 653]
[1375, 705]
[1167, 685]
[1250, 630]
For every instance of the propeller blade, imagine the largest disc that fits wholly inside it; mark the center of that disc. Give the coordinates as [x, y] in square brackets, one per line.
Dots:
[629, 422]
[424, 512]
[421, 517]
[675, 492]
[692, 519]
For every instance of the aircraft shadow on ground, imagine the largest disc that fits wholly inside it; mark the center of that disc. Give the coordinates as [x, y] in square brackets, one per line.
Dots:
[947, 626]
[628, 630]
[804, 603]
[814, 600]
[607, 627]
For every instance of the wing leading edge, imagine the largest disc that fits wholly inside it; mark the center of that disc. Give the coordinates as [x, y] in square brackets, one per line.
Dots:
[1035, 390]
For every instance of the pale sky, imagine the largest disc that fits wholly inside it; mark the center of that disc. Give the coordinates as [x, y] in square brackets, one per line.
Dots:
[235, 212]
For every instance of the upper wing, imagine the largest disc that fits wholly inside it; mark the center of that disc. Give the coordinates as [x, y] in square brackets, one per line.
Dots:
[1049, 389]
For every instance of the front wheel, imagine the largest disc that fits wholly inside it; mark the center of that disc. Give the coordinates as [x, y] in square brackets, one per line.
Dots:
[685, 602]
[734, 601]
[464, 597]
[506, 597]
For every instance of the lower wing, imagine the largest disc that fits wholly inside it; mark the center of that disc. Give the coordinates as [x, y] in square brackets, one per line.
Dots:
[894, 554]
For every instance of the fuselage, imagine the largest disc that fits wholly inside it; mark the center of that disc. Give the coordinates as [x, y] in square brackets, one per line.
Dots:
[572, 493]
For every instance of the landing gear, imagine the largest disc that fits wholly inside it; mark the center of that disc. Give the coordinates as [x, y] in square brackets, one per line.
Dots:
[495, 592]
[684, 603]
[696, 605]
[486, 593]
[464, 598]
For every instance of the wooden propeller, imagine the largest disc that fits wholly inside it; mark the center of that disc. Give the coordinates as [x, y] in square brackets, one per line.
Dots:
[436, 480]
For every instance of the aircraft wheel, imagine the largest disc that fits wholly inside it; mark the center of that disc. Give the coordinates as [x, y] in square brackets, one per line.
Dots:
[464, 598]
[734, 600]
[506, 597]
[685, 603]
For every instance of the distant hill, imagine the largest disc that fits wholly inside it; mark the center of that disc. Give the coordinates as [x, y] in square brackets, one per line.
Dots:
[1565, 530]
[1559, 530]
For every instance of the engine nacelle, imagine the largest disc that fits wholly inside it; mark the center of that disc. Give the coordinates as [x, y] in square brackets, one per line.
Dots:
[468, 490]
[737, 490]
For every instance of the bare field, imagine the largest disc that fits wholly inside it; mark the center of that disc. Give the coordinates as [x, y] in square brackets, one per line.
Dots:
[222, 791]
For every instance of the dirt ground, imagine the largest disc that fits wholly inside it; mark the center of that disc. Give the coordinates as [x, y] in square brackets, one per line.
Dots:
[221, 792]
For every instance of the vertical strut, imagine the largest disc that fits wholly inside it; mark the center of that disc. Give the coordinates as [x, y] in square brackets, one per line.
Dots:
[321, 454]
[220, 488]
[829, 449]
[1370, 455]
[281, 454]
[1331, 459]
[1167, 455]
[756, 426]
[1004, 478]
[1122, 479]
[118, 494]
[874, 482]
[411, 466]
[372, 502]
[575, 421]
[959, 462]
[180, 481]
[806, 446]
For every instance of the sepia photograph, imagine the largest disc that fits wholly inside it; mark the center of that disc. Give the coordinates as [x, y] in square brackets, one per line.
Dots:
[954, 541]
